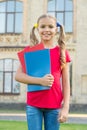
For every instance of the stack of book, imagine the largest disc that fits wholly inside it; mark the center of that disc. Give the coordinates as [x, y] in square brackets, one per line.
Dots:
[35, 62]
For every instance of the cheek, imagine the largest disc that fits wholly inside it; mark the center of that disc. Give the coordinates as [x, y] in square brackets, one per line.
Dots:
[54, 32]
[40, 31]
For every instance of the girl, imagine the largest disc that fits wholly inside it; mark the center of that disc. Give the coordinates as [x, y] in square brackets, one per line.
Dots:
[46, 104]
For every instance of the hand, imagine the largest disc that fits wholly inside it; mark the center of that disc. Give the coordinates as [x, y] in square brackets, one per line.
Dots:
[47, 80]
[63, 115]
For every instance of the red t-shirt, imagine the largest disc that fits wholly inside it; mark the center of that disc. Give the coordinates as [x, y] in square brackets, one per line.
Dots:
[50, 98]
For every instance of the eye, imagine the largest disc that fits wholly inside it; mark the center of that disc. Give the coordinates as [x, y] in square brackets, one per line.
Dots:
[42, 26]
[51, 26]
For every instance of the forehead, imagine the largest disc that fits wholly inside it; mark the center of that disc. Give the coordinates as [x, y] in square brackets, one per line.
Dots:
[47, 20]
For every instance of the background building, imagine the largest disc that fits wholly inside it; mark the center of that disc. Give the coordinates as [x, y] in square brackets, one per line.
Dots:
[16, 20]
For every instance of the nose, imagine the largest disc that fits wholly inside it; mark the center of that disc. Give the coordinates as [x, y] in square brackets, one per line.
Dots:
[46, 28]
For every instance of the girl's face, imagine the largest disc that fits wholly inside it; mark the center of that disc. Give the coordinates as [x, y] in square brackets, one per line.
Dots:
[47, 29]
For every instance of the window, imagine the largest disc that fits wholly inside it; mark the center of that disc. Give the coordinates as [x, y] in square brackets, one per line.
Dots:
[8, 85]
[63, 11]
[11, 12]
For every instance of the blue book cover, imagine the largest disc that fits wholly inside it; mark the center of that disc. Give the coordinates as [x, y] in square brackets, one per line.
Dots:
[37, 65]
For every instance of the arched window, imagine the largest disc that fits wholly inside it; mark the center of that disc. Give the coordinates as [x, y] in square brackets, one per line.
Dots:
[11, 12]
[63, 11]
[8, 85]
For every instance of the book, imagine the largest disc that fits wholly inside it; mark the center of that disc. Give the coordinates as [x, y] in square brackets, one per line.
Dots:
[37, 65]
[28, 49]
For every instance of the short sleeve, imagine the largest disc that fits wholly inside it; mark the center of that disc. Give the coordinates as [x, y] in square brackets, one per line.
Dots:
[68, 58]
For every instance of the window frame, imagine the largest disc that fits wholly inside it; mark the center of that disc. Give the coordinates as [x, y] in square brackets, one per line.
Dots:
[56, 11]
[14, 13]
[11, 72]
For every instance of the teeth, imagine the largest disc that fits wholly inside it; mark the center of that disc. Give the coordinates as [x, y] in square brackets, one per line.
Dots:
[46, 33]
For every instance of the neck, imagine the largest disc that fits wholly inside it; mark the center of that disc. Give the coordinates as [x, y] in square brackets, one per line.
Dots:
[48, 44]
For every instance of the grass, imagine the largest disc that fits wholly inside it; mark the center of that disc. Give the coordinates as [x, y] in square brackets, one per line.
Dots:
[73, 127]
[22, 125]
[13, 125]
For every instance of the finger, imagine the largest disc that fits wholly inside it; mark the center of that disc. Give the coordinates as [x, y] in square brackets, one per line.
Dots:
[62, 119]
[51, 76]
[51, 79]
[50, 84]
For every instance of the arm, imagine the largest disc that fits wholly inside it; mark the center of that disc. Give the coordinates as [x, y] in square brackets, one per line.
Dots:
[22, 77]
[66, 94]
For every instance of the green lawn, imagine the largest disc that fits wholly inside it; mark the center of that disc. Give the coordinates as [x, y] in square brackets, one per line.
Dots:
[73, 127]
[13, 125]
[19, 125]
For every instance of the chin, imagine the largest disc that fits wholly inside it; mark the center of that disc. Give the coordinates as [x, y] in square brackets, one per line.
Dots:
[46, 39]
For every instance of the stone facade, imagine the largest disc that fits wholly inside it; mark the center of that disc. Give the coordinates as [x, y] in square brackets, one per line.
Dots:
[76, 44]
[81, 48]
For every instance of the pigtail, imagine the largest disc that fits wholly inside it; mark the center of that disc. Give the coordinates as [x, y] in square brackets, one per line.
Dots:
[33, 38]
[61, 42]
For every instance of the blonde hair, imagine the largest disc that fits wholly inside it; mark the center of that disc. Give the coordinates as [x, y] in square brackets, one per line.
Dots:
[61, 39]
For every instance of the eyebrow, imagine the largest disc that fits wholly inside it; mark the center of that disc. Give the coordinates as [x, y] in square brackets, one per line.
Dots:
[47, 25]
